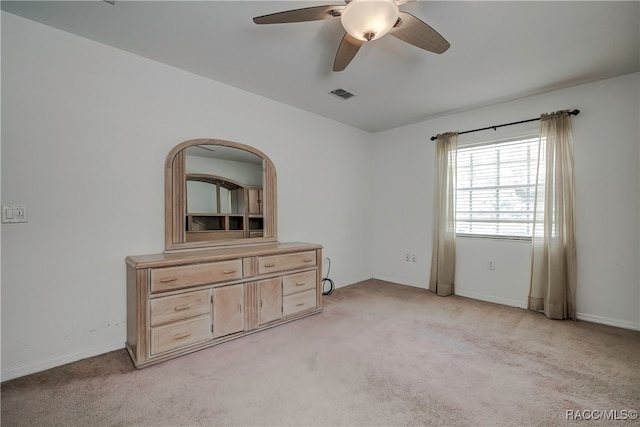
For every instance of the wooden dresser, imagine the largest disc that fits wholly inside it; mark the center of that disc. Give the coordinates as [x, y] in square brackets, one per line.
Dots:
[181, 302]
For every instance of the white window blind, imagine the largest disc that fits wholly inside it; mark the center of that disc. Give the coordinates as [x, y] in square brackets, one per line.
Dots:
[496, 188]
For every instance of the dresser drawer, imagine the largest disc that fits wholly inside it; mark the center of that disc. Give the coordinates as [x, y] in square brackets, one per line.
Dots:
[169, 278]
[178, 307]
[180, 334]
[299, 282]
[267, 264]
[301, 301]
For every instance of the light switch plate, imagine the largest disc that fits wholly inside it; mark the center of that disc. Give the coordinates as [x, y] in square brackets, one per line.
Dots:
[14, 213]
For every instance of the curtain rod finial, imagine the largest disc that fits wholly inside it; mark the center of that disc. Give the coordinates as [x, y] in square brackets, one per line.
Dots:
[573, 112]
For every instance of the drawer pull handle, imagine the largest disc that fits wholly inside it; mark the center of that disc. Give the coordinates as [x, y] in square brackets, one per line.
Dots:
[301, 283]
[300, 304]
[229, 271]
[182, 307]
[307, 260]
[168, 279]
[270, 264]
[181, 335]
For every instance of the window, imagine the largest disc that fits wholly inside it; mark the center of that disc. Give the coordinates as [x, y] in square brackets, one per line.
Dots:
[496, 188]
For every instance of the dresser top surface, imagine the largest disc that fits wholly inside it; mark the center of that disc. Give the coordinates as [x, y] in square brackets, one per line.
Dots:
[217, 254]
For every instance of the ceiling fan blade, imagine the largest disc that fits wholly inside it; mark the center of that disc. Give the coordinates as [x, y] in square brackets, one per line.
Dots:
[413, 31]
[315, 13]
[348, 48]
[401, 2]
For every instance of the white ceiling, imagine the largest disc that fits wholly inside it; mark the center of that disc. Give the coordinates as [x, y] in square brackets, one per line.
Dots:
[499, 51]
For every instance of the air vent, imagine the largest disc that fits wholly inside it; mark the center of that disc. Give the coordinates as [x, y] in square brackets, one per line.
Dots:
[341, 93]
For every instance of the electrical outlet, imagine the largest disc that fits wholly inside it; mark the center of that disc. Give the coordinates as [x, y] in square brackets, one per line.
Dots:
[491, 266]
[14, 214]
[413, 257]
[407, 257]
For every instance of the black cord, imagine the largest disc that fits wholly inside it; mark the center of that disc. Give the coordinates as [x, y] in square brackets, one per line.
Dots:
[326, 279]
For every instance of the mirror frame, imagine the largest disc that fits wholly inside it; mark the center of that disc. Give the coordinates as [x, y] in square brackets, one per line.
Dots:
[175, 199]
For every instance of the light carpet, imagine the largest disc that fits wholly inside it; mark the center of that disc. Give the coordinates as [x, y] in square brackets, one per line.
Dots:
[380, 354]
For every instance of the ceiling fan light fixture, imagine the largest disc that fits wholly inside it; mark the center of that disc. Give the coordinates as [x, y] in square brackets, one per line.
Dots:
[369, 19]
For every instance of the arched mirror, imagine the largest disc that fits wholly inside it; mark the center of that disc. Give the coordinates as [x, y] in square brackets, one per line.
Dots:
[218, 193]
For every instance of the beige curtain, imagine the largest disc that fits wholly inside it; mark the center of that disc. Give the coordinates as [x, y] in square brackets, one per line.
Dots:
[443, 260]
[553, 264]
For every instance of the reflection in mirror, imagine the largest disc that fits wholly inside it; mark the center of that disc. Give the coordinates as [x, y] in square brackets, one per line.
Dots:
[217, 204]
[201, 196]
[213, 194]
[216, 194]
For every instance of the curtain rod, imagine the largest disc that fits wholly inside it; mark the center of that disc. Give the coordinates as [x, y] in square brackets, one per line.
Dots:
[571, 113]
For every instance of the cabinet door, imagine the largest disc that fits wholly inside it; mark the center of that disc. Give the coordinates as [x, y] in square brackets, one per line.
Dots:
[228, 308]
[270, 300]
[255, 200]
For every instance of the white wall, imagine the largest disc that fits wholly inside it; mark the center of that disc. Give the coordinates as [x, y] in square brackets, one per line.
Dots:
[607, 160]
[86, 129]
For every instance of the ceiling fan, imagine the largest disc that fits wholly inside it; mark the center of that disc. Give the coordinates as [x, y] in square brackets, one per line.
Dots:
[363, 21]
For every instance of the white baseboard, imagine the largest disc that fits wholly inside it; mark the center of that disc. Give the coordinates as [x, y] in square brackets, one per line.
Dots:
[490, 298]
[401, 281]
[624, 324]
[523, 304]
[351, 281]
[609, 321]
[32, 368]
